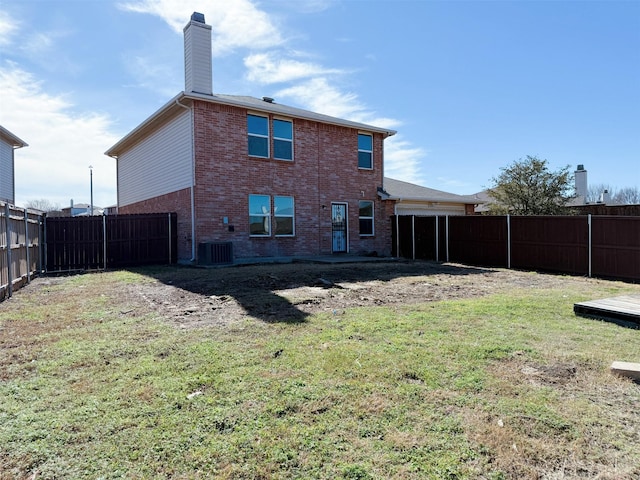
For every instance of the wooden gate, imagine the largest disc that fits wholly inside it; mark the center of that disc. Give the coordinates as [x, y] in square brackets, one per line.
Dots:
[109, 241]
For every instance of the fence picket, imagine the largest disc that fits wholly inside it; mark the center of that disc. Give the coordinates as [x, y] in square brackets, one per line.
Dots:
[20, 233]
[602, 246]
[110, 241]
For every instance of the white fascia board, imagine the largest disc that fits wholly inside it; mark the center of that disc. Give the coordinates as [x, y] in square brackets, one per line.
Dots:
[136, 132]
[139, 131]
[14, 141]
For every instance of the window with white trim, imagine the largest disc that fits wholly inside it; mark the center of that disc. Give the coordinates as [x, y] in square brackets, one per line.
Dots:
[366, 218]
[283, 216]
[282, 139]
[365, 151]
[259, 215]
[258, 135]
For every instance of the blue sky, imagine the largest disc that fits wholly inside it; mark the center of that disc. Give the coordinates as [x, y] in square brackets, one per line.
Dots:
[470, 86]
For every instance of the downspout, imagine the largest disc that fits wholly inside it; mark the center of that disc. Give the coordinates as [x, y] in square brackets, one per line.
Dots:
[193, 183]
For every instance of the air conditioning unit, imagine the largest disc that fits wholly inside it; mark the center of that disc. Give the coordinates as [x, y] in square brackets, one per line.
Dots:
[215, 253]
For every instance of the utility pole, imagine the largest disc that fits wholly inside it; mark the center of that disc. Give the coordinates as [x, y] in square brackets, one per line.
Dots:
[91, 185]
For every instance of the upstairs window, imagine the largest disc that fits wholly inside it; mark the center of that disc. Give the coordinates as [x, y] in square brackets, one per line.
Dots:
[365, 151]
[260, 215]
[258, 131]
[283, 217]
[282, 139]
[366, 218]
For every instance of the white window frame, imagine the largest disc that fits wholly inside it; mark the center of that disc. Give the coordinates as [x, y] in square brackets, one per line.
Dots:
[292, 216]
[290, 140]
[370, 152]
[265, 215]
[267, 136]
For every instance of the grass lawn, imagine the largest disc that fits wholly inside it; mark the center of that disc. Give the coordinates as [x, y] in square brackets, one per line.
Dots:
[504, 386]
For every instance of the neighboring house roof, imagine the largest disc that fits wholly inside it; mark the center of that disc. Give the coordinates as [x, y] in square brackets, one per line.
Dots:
[263, 105]
[11, 139]
[80, 206]
[405, 191]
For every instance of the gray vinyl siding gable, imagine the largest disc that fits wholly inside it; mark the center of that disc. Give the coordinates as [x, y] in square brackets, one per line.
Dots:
[159, 164]
[6, 172]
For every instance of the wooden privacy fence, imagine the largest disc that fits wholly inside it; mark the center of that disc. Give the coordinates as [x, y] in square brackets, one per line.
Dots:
[20, 247]
[109, 241]
[600, 246]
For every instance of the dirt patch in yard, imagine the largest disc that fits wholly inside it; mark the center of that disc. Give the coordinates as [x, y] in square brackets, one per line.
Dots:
[193, 297]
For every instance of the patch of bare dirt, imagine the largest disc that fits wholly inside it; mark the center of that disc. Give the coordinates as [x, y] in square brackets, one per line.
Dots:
[192, 297]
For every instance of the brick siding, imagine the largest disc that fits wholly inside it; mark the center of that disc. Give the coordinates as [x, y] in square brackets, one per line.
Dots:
[324, 170]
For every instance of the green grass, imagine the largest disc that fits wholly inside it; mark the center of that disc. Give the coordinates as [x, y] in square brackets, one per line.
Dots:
[88, 391]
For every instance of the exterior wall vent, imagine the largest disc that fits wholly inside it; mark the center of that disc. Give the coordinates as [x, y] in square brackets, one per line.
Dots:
[215, 253]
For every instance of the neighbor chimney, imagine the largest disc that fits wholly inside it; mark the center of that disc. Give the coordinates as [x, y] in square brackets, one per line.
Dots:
[197, 56]
[605, 197]
[580, 176]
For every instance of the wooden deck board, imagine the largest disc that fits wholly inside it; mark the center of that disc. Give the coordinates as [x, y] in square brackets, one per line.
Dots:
[625, 307]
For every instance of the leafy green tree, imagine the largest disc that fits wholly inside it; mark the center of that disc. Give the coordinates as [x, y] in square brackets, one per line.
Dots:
[528, 187]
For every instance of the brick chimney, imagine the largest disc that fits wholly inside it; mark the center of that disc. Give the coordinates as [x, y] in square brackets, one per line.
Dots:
[197, 56]
[580, 176]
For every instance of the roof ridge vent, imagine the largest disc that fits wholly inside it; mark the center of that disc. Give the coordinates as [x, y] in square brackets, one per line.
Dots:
[267, 99]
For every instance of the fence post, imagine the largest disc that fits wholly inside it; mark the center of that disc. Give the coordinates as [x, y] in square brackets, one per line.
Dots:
[446, 225]
[413, 236]
[397, 236]
[169, 218]
[26, 244]
[104, 235]
[40, 243]
[589, 249]
[508, 241]
[44, 243]
[7, 217]
[437, 241]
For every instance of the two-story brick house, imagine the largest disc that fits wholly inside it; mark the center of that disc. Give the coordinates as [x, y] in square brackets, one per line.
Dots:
[270, 179]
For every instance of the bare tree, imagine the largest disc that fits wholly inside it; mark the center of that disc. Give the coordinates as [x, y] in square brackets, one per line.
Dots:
[43, 205]
[627, 196]
[594, 192]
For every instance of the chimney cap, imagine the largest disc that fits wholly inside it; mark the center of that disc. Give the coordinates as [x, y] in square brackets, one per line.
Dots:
[197, 17]
[580, 167]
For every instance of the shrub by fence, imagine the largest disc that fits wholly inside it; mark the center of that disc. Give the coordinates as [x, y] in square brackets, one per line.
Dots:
[601, 246]
[110, 241]
[20, 247]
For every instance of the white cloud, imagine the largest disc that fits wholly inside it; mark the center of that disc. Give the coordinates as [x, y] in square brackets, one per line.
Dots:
[320, 95]
[235, 24]
[62, 143]
[272, 68]
[240, 24]
[153, 75]
[8, 28]
[306, 6]
[402, 160]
